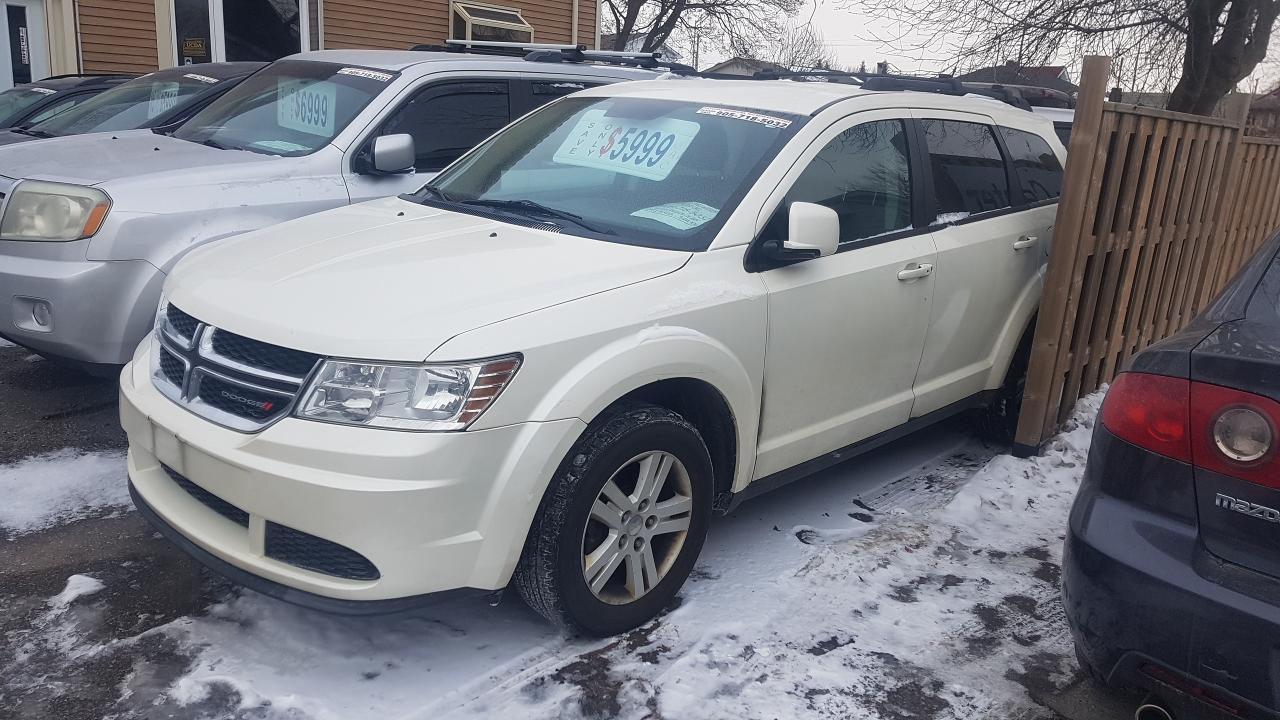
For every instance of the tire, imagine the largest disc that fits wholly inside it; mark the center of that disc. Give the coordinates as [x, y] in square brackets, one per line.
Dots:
[571, 539]
[998, 422]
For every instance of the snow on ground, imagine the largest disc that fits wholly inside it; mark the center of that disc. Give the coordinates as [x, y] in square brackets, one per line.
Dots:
[5, 343]
[46, 490]
[920, 581]
[77, 587]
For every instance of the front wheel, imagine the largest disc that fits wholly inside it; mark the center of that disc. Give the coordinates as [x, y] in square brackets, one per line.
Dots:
[622, 523]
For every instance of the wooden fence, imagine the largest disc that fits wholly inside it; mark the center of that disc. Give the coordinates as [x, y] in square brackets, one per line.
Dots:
[1158, 211]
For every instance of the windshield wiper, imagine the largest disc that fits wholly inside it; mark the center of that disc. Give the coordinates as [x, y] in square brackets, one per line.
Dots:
[34, 133]
[527, 207]
[433, 190]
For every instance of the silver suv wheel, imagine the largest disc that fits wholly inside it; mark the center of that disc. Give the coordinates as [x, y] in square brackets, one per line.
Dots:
[637, 527]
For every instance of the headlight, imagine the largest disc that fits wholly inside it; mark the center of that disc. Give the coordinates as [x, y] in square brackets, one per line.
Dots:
[434, 397]
[39, 210]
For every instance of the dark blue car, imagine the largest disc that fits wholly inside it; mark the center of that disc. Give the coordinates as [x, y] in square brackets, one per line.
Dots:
[1172, 566]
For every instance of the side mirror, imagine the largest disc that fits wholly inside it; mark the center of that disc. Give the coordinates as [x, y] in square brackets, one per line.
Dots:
[813, 231]
[393, 154]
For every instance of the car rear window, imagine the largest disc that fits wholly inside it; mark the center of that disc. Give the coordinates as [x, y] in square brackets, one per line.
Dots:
[968, 170]
[1037, 168]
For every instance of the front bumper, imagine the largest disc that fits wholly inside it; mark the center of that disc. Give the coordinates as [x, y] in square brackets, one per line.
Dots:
[97, 311]
[431, 512]
[1140, 590]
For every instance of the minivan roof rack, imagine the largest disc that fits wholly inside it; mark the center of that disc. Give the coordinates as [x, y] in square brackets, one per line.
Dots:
[645, 60]
[491, 47]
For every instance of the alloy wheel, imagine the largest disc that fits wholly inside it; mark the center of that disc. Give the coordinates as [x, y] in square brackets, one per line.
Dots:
[637, 527]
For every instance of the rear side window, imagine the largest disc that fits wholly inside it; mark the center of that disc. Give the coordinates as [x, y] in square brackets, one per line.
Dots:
[863, 175]
[968, 170]
[449, 119]
[1038, 171]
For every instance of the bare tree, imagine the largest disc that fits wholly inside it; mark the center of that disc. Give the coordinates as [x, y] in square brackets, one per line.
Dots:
[653, 22]
[798, 48]
[1199, 48]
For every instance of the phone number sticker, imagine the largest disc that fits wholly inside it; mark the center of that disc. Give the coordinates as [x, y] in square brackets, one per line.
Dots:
[767, 120]
[307, 108]
[644, 148]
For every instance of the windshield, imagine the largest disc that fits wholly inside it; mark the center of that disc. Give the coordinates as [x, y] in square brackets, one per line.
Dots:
[128, 106]
[15, 100]
[291, 107]
[658, 173]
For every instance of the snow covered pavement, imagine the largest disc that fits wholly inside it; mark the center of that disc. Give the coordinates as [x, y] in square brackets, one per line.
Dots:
[919, 581]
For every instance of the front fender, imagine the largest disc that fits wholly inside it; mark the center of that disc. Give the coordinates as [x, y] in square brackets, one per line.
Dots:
[652, 354]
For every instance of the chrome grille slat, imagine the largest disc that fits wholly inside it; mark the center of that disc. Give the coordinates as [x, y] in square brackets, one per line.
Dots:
[233, 392]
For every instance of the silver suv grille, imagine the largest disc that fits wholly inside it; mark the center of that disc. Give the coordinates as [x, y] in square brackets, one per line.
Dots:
[234, 381]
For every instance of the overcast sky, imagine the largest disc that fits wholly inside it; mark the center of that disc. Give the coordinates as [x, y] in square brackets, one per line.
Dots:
[855, 39]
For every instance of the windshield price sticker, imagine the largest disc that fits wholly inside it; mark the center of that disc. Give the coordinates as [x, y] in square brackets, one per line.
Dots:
[201, 78]
[163, 97]
[364, 73]
[42, 91]
[644, 148]
[769, 120]
[679, 215]
[307, 108]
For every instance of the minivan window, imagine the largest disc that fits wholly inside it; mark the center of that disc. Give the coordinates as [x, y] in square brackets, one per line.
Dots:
[968, 170]
[291, 107]
[863, 174]
[1038, 171]
[127, 106]
[641, 171]
[449, 119]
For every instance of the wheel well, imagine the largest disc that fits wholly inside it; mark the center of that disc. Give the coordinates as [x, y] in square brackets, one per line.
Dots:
[701, 404]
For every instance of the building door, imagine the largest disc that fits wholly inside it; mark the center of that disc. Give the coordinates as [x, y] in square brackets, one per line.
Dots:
[25, 56]
[236, 30]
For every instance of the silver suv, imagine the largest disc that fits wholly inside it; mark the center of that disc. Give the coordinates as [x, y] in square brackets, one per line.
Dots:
[90, 225]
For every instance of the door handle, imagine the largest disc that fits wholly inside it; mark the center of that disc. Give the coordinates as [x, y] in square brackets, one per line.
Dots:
[914, 271]
[1025, 242]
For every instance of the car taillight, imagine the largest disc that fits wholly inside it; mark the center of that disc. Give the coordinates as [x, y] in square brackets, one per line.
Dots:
[1234, 433]
[1220, 429]
[1152, 412]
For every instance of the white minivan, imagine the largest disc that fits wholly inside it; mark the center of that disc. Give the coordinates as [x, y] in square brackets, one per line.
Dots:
[551, 365]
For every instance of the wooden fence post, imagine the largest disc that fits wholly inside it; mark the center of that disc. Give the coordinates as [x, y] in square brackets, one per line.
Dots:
[1053, 329]
[1238, 112]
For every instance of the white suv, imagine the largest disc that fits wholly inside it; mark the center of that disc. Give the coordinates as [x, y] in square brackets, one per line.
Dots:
[550, 366]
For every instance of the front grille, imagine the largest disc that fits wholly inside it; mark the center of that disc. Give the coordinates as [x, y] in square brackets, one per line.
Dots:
[239, 400]
[263, 355]
[235, 381]
[208, 499]
[317, 554]
[172, 367]
[183, 324]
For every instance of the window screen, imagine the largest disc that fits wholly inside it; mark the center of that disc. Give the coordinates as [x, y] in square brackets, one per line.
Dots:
[968, 171]
[863, 175]
[448, 120]
[1037, 168]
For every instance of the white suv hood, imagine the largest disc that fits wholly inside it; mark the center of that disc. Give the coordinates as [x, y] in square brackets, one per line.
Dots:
[393, 280]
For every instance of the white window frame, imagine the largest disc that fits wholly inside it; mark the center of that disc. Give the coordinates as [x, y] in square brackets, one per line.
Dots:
[217, 30]
[458, 8]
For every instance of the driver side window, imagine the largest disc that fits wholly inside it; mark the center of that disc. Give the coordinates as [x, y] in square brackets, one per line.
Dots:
[864, 175]
[448, 119]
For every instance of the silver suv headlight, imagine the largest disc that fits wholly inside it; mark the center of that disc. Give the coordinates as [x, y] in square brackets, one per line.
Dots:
[57, 212]
[426, 397]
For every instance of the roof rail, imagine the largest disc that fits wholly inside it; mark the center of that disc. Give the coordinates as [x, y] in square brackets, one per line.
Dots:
[492, 47]
[835, 75]
[644, 60]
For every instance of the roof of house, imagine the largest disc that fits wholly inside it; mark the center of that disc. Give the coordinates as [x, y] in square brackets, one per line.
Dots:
[1011, 73]
[751, 65]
